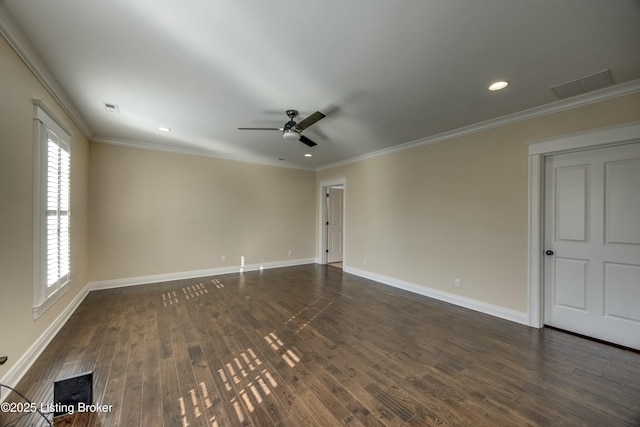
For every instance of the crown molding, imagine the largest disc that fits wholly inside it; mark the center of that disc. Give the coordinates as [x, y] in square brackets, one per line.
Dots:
[12, 33]
[191, 151]
[543, 110]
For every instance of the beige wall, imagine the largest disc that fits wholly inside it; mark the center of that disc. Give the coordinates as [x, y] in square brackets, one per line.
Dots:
[18, 88]
[155, 212]
[457, 209]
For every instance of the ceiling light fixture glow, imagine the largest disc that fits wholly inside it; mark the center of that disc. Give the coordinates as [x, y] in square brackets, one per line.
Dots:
[498, 85]
[164, 129]
[308, 155]
[291, 135]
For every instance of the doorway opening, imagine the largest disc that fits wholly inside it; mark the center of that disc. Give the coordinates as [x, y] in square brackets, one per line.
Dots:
[332, 228]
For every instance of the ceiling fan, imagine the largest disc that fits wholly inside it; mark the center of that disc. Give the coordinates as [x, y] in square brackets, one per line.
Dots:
[292, 130]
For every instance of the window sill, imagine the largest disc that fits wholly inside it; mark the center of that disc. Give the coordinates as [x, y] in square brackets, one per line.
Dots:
[39, 310]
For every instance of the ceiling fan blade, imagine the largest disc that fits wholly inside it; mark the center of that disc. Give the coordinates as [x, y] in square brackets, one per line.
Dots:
[307, 141]
[313, 118]
[280, 129]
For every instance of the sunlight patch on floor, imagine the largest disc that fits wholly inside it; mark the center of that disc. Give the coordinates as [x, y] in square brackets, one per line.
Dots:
[252, 385]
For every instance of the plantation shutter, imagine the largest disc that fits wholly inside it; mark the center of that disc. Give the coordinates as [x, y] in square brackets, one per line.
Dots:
[58, 204]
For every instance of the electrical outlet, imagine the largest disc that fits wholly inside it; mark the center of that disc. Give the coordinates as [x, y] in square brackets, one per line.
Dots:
[457, 283]
[290, 252]
[223, 258]
[364, 261]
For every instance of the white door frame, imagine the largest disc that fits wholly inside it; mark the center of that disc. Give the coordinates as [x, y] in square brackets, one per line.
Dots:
[614, 135]
[322, 214]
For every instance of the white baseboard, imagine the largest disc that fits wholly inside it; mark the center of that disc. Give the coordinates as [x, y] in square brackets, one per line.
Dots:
[20, 368]
[156, 278]
[480, 306]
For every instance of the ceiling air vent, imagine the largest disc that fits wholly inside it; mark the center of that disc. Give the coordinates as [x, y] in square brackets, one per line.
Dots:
[112, 108]
[583, 85]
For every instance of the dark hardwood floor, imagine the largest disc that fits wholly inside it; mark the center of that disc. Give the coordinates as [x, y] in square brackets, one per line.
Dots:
[311, 345]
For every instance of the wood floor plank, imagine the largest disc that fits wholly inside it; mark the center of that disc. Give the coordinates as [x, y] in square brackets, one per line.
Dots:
[170, 393]
[151, 384]
[132, 398]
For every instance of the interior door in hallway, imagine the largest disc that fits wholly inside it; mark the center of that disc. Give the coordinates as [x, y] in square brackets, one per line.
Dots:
[592, 243]
[334, 224]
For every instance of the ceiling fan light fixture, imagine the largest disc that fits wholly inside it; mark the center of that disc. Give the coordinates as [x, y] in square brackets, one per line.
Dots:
[292, 131]
[498, 85]
[291, 135]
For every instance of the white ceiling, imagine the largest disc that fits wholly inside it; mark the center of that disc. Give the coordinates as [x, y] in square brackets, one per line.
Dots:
[388, 72]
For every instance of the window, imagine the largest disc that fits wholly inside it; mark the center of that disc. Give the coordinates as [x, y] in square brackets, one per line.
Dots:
[52, 210]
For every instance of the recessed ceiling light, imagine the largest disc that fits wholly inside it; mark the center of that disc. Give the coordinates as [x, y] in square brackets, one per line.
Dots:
[498, 85]
[308, 155]
[164, 129]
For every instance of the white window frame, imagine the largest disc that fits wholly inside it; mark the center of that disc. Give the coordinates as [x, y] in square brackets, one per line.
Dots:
[48, 129]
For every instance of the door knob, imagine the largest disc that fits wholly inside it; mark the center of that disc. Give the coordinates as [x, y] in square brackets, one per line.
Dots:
[549, 252]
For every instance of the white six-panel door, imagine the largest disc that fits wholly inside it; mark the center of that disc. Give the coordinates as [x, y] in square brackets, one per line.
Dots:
[592, 241]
